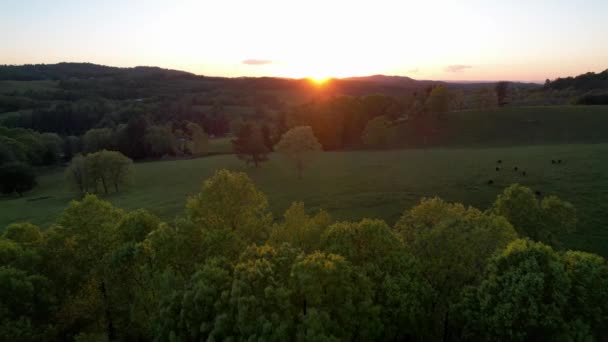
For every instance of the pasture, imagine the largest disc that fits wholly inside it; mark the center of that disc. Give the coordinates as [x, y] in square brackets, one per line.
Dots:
[353, 185]
[512, 126]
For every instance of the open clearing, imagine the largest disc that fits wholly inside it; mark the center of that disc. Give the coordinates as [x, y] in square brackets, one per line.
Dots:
[353, 185]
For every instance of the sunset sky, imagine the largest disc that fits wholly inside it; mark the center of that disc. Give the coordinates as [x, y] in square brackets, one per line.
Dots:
[448, 40]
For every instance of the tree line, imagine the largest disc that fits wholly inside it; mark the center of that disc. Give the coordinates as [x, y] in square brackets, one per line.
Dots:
[20, 150]
[226, 269]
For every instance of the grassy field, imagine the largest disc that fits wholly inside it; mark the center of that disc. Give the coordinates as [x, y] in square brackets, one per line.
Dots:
[220, 145]
[511, 126]
[353, 185]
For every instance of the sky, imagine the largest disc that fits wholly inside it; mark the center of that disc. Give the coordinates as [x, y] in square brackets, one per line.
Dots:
[489, 40]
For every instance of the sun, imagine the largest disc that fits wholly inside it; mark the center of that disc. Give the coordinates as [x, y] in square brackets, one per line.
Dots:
[318, 80]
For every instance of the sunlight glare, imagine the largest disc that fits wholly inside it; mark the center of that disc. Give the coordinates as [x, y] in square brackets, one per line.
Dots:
[318, 80]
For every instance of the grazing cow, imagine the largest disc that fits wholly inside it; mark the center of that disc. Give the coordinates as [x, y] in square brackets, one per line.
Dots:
[497, 168]
[559, 161]
[490, 182]
[515, 168]
[523, 173]
[552, 161]
[538, 193]
[499, 161]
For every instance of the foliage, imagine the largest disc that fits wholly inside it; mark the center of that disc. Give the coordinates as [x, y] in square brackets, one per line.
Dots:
[299, 229]
[110, 169]
[160, 141]
[543, 220]
[16, 177]
[438, 101]
[199, 140]
[298, 144]
[249, 144]
[230, 201]
[222, 273]
[453, 244]
[587, 81]
[23, 233]
[486, 98]
[502, 92]
[27, 304]
[338, 122]
[97, 139]
[31, 147]
[529, 292]
[377, 133]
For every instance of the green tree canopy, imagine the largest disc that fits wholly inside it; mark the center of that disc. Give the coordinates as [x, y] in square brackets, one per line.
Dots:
[230, 201]
[298, 144]
[452, 244]
[249, 144]
[543, 220]
[16, 177]
[522, 297]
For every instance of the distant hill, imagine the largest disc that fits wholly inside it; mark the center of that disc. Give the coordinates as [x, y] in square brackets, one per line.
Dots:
[62, 71]
[394, 80]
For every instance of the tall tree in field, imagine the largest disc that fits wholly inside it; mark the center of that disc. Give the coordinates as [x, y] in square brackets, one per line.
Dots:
[438, 102]
[502, 89]
[16, 177]
[76, 174]
[377, 132]
[110, 169]
[486, 98]
[199, 141]
[456, 99]
[118, 169]
[249, 145]
[298, 144]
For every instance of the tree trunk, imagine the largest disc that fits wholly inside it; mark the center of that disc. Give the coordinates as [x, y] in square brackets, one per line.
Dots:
[299, 166]
[105, 186]
[446, 333]
[111, 332]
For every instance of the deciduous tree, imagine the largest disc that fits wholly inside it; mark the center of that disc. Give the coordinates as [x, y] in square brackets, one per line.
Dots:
[298, 144]
[249, 144]
[230, 201]
[16, 177]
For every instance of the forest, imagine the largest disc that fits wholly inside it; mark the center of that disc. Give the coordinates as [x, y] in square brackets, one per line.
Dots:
[226, 269]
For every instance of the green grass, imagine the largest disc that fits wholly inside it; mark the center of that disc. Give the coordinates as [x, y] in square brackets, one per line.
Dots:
[220, 145]
[531, 125]
[519, 126]
[353, 185]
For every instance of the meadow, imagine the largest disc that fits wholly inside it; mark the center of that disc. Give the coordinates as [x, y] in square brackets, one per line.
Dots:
[376, 184]
[510, 126]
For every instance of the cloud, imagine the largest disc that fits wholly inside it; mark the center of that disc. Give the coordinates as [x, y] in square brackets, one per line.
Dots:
[457, 68]
[257, 61]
